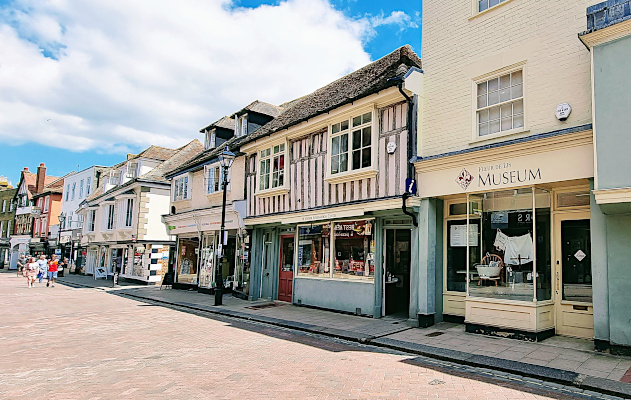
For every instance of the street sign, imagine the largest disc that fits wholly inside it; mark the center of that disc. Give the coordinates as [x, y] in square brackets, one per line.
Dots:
[410, 186]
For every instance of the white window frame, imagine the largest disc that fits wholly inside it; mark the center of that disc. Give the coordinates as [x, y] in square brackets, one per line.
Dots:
[475, 6]
[87, 187]
[129, 213]
[110, 222]
[74, 187]
[210, 178]
[132, 170]
[211, 139]
[4, 205]
[242, 125]
[181, 188]
[475, 137]
[46, 203]
[353, 173]
[267, 156]
[67, 192]
[81, 189]
[43, 229]
[91, 220]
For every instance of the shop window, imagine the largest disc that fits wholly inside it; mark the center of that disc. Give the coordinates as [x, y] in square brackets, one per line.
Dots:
[208, 261]
[458, 209]
[457, 253]
[187, 261]
[510, 234]
[354, 250]
[314, 250]
[242, 266]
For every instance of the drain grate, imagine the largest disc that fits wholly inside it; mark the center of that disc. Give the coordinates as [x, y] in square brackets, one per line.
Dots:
[266, 305]
[434, 334]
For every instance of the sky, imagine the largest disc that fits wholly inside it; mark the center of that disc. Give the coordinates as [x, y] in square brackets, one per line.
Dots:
[86, 82]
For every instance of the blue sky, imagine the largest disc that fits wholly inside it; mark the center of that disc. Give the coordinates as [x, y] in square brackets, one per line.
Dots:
[84, 83]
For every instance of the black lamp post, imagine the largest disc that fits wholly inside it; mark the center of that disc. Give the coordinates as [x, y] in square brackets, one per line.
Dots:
[225, 159]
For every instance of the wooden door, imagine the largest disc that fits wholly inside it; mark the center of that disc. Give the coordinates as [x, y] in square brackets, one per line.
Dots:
[573, 275]
[286, 268]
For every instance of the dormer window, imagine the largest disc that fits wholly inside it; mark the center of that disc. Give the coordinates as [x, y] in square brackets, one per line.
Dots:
[115, 177]
[211, 139]
[132, 170]
[241, 128]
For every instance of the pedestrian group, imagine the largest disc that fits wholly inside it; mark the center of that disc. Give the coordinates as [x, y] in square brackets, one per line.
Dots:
[32, 269]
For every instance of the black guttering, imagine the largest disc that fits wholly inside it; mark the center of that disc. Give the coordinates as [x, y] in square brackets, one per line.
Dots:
[565, 131]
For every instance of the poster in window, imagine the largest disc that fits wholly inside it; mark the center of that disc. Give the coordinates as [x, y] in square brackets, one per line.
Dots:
[458, 234]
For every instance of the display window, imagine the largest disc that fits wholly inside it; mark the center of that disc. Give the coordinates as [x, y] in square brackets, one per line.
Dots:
[242, 265]
[506, 240]
[314, 250]
[354, 250]
[207, 261]
[352, 246]
[187, 260]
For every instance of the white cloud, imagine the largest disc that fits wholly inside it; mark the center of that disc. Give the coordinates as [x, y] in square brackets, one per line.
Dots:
[129, 74]
[395, 18]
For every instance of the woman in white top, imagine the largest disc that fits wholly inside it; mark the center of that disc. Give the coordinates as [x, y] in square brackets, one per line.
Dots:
[31, 270]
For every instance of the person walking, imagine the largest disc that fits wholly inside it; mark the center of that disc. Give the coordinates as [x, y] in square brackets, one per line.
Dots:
[52, 271]
[21, 263]
[43, 267]
[30, 271]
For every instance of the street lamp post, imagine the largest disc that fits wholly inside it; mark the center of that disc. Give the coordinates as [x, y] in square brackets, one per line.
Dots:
[62, 225]
[225, 159]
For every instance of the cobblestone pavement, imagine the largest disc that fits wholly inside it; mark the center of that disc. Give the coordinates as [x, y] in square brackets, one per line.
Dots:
[67, 343]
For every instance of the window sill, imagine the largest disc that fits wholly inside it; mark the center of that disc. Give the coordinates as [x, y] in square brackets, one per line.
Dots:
[272, 192]
[351, 176]
[317, 278]
[488, 10]
[181, 202]
[216, 195]
[497, 135]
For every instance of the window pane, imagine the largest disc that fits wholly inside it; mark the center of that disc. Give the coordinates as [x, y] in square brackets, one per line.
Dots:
[481, 88]
[366, 118]
[357, 139]
[357, 120]
[356, 159]
[483, 116]
[494, 127]
[493, 3]
[483, 5]
[344, 143]
[335, 128]
[281, 177]
[482, 101]
[507, 123]
[506, 110]
[344, 125]
[366, 139]
[504, 95]
[275, 179]
[335, 164]
[354, 250]
[517, 91]
[504, 81]
[518, 121]
[483, 129]
[344, 162]
[335, 146]
[267, 165]
[494, 113]
[493, 85]
[366, 159]
[275, 149]
[314, 251]
[494, 98]
[282, 147]
[518, 107]
[516, 77]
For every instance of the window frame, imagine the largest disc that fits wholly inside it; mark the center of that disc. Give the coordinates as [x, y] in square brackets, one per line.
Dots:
[110, 222]
[129, 213]
[131, 170]
[67, 192]
[81, 189]
[268, 154]
[91, 220]
[87, 187]
[475, 7]
[208, 169]
[475, 137]
[4, 205]
[46, 203]
[181, 193]
[361, 172]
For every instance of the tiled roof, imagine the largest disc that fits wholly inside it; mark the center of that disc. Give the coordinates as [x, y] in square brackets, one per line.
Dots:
[224, 122]
[157, 153]
[370, 79]
[260, 107]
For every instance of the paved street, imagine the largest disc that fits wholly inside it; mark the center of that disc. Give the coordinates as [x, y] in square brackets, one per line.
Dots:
[79, 343]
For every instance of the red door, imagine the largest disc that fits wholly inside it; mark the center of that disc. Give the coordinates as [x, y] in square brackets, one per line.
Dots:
[286, 268]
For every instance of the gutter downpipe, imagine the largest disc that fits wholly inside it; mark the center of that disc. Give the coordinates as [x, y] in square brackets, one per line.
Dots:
[405, 196]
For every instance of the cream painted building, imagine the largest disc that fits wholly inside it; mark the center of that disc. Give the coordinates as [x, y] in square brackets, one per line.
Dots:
[504, 166]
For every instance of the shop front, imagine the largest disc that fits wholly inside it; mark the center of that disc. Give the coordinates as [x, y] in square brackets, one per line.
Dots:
[198, 245]
[359, 265]
[516, 240]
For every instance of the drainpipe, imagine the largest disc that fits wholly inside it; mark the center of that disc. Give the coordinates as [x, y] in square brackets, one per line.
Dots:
[410, 173]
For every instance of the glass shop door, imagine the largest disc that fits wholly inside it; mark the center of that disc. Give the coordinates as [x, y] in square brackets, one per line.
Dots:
[397, 272]
[573, 275]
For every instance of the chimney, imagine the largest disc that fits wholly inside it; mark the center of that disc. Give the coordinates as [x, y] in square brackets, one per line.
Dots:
[25, 169]
[41, 178]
